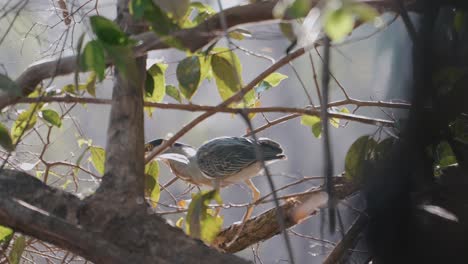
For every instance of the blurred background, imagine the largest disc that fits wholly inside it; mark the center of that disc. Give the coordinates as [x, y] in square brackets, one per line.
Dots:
[370, 66]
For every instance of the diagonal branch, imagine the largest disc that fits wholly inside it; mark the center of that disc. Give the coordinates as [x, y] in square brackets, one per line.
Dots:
[265, 226]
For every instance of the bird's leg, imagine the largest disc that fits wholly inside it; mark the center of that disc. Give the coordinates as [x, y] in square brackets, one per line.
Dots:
[255, 197]
[217, 187]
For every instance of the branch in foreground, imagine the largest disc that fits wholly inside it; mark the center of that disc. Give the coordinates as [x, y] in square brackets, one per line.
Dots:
[347, 242]
[265, 226]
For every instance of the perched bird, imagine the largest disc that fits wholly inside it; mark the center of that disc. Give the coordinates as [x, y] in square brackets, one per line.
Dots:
[219, 162]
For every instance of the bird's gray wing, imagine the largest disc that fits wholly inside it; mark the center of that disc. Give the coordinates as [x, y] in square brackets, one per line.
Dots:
[175, 157]
[223, 157]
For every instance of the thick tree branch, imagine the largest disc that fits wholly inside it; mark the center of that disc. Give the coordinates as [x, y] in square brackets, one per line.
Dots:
[265, 226]
[27, 205]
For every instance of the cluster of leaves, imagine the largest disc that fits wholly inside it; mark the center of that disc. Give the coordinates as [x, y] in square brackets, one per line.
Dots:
[26, 120]
[315, 123]
[363, 151]
[201, 221]
[339, 16]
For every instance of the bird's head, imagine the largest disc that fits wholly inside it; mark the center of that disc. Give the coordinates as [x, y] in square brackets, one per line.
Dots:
[176, 148]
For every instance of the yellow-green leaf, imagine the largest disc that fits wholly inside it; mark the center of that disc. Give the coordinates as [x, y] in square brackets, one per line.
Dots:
[189, 75]
[24, 122]
[270, 81]
[155, 88]
[152, 188]
[52, 117]
[91, 84]
[339, 23]
[364, 11]
[5, 233]
[98, 158]
[5, 140]
[227, 71]
[173, 92]
[202, 222]
[17, 250]
[359, 152]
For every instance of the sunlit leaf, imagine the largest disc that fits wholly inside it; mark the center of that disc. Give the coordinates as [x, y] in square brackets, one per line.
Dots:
[202, 222]
[161, 23]
[298, 9]
[363, 11]
[8, 86]
[173, 92]
[93, 58]
[52, 117]
[98, 157]
[338, 23]
[5, 233]
[108, 32]
[314, 123]
[5, 138]
[124, 60]
[152, 188]
[227, 71]
[155, 87]
[17, 250]
[24, 122]
[180, 222]
[270, 81]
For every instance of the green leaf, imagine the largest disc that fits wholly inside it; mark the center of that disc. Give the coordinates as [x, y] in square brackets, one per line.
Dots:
[270, 81]
[91, 84]
[9, 86]
[173, 92]
[108, 32]
[52, 117]
[363, 11]
[98, 157]
[155, 87]
[359, 152]
[189, 74]
[123, 58]
[176, 8]
[314, 123]
[201, 222]
[445, 156]
[93, 58]
[17, 250]
[300, 8]
[6, 233]
[5, 140]
[152, 188]
[338, 23]
[137, 8]
[24, 122]
[227, 71]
